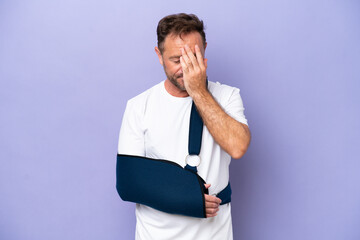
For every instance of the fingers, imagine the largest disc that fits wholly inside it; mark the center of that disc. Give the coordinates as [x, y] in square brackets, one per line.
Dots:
[187, 65]
[183, 65]
[211, 203]
[212, 199]
[189, 58]
[208, 215]
[202, 62]
[193, 60]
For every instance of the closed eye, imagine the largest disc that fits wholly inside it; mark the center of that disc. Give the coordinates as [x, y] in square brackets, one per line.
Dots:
[175, 59]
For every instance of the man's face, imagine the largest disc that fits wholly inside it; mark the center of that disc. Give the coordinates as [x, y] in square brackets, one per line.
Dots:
[170, 58]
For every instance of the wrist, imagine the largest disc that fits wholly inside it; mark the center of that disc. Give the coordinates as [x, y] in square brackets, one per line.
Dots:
[199, 94]
[197, 88]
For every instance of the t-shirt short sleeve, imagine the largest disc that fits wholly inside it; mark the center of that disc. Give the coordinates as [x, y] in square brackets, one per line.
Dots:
[131, 137]
[235, 107]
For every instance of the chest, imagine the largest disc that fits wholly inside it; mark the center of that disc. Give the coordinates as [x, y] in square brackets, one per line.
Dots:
[167, 130]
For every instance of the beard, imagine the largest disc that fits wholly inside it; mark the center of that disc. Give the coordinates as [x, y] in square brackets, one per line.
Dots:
[175, 79]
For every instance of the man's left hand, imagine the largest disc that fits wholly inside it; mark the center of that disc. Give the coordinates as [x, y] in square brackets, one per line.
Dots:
[194, 70]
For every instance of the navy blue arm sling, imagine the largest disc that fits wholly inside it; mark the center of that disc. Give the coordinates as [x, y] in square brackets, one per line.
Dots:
[165, 185]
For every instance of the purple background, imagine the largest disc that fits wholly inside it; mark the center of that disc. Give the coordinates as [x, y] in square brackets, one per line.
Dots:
[68, 67]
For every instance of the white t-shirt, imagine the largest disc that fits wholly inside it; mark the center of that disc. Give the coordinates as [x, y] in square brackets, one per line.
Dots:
[156, 125]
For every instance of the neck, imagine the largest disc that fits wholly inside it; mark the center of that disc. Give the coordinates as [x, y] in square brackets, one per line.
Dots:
[173, 90]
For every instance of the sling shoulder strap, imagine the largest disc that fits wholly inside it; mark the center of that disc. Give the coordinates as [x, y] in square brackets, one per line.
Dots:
[195, 138]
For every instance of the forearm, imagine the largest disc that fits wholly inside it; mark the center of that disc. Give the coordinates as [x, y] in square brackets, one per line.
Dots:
[231, 135]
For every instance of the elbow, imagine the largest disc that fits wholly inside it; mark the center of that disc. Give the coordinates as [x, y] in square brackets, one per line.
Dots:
[239, 149]
[237, 153]
[240, 144]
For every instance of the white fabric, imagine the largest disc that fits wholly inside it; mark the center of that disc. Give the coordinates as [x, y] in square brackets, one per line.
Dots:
[156, 125]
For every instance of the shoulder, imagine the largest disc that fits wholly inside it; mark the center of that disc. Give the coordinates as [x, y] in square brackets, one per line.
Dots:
[136, 107]
[142, 97]
[139, 102]
[230, 100]
[222, 92]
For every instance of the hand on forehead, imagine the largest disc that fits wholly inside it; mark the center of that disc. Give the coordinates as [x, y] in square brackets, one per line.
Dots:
[176, 43]
[190, 58]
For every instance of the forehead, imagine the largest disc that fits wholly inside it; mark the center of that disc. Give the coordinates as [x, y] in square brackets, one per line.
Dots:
[173, 43]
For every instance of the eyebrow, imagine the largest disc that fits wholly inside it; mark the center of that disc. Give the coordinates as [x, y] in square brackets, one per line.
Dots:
[175, 57]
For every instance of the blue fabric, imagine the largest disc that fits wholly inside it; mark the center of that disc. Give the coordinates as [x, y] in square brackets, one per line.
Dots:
[160, 184]
[191, 168]
[225, 195]
[195, 131]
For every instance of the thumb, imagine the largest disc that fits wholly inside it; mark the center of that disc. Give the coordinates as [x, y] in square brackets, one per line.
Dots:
[207, 185]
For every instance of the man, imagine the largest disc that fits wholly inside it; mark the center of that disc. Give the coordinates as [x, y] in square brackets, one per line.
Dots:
[156, 125]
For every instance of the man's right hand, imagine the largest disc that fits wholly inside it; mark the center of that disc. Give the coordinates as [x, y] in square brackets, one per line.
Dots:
[211, 204]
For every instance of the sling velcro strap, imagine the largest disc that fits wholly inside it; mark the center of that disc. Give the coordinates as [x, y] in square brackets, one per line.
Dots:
[225, 195]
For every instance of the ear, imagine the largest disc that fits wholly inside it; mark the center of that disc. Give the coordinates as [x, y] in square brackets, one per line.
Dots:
[158, 53]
